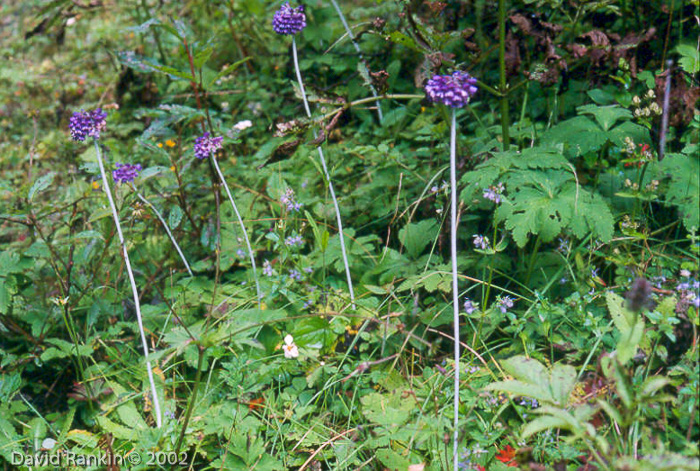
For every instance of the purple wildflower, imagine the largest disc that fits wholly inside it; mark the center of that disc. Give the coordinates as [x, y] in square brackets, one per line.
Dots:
[288, 199]
[87, 124]
[288, 20]
[294, 241]
[204, 146]
[295, 275]
[563, 245]
[126, 173]
[505, 303]
[451, 90]
[308, 270]
[469, 306]
[494, 192]
[267, 268]
[481, 242]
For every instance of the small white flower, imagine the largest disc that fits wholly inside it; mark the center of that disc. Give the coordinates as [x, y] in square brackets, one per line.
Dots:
[48, 443]
[241, 125]
[290, 350]
[685, 273]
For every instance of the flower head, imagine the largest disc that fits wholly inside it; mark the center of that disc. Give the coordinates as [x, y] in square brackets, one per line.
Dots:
[288, 20]
[451, 90]
[204, 146]
[289, 348]
[87, 124]
[481, 242]
[505, 303]
[267, 268]
[507, 456]
[469, 306]
[493, 193]
[126, 173]
[242, 125]
[289, 200]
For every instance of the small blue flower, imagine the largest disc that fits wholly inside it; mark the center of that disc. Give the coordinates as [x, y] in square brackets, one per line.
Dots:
[481, 242]
[469, 306]
[504, 303]
[294, 241]
[267, 268]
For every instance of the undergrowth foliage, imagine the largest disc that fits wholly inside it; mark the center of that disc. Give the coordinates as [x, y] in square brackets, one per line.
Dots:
[209, 263]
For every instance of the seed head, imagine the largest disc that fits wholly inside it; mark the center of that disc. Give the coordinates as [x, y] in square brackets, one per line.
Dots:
[639, 295]
[451, 90]
[288, 20]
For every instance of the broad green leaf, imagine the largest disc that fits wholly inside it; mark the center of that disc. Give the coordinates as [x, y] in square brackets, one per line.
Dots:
[417, 236]
[41, 184]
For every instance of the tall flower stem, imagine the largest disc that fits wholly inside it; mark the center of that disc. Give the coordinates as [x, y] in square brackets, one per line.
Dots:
[328, 178]
[243, 229]
[134, 291]
[165, 226]
[455, 292]
[503, 85]
[362, 60]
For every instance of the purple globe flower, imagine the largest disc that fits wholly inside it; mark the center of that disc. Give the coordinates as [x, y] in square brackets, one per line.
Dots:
[126, 173]
[204, 146]
[451, 90]
[288, 20]
[87, 124]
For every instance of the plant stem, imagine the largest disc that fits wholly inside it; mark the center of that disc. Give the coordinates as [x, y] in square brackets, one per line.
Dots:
[362, 101]
[165, 226]
[193, 399]
[362, 60]
[455, 292]
[134, 291]
[505, 122]
[243, 229]
[328, 177]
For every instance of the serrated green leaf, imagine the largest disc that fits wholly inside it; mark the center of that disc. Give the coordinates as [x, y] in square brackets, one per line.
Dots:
[41, 184]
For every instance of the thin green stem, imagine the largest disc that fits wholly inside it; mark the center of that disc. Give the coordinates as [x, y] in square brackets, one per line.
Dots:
[503, 85]
[243, 229]
[193, 399]
[328, 178]
[134, 291]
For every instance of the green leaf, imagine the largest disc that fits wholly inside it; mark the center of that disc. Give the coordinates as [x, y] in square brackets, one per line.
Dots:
[684, 187]
[391, 460]
[228, 70]
[41, 184]
[690, 57]
[202, 57]
[606, 116]
[417, 236]
[175, 217]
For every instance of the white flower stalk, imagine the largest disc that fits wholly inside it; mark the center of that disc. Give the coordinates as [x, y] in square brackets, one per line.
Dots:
[359, 53]
[105, 183]
[165, 226]
[243, 229]
[455, 292]
[327, 176]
